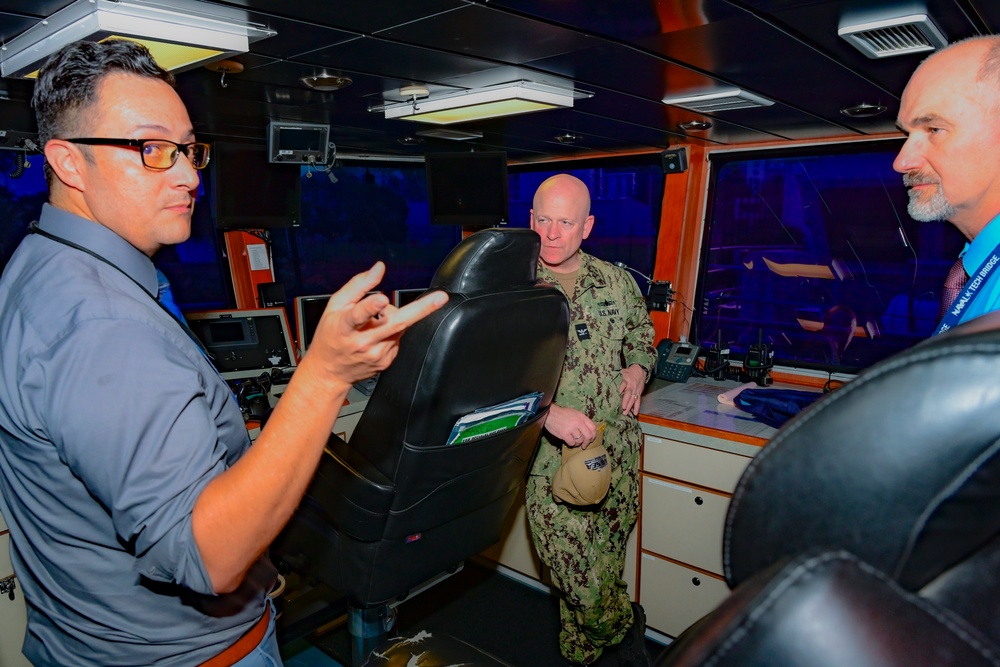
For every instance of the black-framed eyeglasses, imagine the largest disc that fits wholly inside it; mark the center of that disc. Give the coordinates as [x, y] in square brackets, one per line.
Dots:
[157, 153]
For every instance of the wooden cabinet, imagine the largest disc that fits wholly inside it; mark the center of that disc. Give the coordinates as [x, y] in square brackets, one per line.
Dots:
[13, 615]
[687, 482]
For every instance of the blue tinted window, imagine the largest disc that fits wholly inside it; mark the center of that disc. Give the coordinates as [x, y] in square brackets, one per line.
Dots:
[812, 251]
[198, 277]
[626, 198]
[22, 193]
[372, 212]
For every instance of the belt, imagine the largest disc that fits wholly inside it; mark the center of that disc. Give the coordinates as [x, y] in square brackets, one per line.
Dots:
[241, 649]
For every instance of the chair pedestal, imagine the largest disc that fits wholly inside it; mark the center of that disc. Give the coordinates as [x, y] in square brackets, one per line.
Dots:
[368, 628]
[431, 649]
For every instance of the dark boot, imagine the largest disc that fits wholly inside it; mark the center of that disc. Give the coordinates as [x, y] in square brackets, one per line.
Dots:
[632, 652]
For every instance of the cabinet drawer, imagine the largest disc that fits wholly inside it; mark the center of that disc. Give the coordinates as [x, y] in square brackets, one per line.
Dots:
[683, 523]
[691, 463]
[675, 597]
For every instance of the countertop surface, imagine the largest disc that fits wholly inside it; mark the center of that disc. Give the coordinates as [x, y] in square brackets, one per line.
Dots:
[694, 406]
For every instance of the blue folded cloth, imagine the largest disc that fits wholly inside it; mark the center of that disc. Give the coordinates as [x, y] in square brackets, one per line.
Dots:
[774, 407]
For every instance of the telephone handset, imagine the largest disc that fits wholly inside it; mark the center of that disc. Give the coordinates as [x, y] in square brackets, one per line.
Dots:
[675, 361]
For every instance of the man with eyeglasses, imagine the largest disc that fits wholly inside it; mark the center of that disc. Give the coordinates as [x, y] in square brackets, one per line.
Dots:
[139, 513]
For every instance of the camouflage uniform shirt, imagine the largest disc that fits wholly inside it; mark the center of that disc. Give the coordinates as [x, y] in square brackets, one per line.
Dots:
[610, 330]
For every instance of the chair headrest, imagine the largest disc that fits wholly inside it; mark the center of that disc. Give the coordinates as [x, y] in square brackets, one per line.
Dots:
[901, 466]
[489, 259]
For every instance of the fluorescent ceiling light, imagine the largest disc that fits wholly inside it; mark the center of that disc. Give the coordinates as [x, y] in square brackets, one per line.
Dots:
[490, 102]
[180, 35]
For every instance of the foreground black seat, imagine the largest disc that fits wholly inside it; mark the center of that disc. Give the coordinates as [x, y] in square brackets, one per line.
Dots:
[867, 532]
[397, 505]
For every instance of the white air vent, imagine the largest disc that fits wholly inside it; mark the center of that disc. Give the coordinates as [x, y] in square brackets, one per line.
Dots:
[454, 135]
[898, 36]
[726, 99]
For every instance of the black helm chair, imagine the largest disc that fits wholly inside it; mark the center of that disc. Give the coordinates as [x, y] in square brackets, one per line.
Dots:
[398, 505]
[867, 531]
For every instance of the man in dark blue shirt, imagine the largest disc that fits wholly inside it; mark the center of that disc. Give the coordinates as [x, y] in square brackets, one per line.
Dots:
[137, 509]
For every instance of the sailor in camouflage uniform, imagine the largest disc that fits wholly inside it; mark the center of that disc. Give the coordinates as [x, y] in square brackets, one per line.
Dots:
[609, 358]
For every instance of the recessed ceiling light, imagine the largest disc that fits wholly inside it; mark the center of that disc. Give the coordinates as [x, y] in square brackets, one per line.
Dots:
[567, 138]
[863, 110]
[326, 83]
[695, 125]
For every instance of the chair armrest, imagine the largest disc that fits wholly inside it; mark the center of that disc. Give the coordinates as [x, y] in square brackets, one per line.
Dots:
[351, 492]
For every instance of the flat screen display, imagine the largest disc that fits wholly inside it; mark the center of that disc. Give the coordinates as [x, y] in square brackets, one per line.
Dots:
[298, 143]
[468, 189]
[308, 311]
[251, 193]
[812, 251]
[401, 297]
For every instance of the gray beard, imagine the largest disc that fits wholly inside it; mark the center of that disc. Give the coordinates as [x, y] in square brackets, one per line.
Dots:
[927, 210]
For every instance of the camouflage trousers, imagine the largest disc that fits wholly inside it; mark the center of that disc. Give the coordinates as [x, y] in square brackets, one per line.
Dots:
[584, 549]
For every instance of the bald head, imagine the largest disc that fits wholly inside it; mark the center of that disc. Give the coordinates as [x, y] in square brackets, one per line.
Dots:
[977, 58]
[951, 159]
[564, 185]
[560, 215]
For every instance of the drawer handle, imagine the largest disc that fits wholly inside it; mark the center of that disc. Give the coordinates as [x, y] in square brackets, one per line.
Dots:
[696, 581]
[698, 500]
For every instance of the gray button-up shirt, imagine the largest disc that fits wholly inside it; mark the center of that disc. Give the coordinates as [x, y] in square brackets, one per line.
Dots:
[111, 423]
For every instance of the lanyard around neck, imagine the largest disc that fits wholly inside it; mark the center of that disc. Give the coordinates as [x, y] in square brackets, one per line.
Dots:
[34, 229]
[972, 289]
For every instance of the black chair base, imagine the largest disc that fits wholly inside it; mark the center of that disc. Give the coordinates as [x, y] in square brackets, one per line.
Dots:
[431, 649]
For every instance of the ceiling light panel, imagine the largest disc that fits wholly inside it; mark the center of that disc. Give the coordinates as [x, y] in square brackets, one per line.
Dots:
[191, 32]
[491, 102]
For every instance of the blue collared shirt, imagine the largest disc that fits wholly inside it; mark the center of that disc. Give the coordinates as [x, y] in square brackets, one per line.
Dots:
[974, 255]
[111, 423]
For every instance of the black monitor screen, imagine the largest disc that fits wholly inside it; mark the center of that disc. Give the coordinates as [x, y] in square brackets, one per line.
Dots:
[251, 193]
[308, 311]
[468, 188]
[402, 297]
[225, 332]
[811, 251]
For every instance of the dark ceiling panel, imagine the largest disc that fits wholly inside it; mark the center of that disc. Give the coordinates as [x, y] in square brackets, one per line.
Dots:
[989, 12]
[483, 32]
[367, 16]
[818, 23]
[781, 68]
[629, 53]
[12, 25]
[648, 76]
[396, 61]
[296, 37]
[623, 19]
[39, 9]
